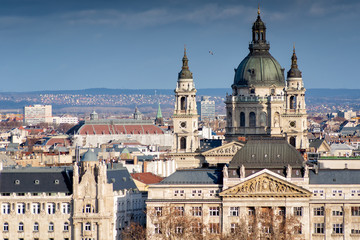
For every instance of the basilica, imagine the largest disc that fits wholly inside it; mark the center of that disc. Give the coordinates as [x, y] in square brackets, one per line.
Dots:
[260, 189]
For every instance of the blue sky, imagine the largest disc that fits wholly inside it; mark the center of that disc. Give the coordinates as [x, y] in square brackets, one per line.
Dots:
[77, 44]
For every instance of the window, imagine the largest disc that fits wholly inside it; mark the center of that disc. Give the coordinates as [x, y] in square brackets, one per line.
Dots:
[51, 227]
[355, 211]
[252, 119]
[355, 193]
[355, 228]
[251, 211]
[319, 228]
[319, 211]
[196, 192]
[242, 119]
[319, 193]
[234, 211]
[35, 208]
[213, 192]
[337, 193]
[157, 229]
[21, 227]
[298, 211]
[66, 208]
[36, 227]
[88, 208]
[66, 226]
[281, 211]
[196, 211]
[214, 227]
[214, 211]
[5, 208]
[6, 227]
[337, 213]
[196, 227]
[179, 211]
[179, 229]
[20, 208]
[338, 228]
[51, 208]
[298, 229]
[158, 211]
[179, 193]
[233, 227]
[87, 226]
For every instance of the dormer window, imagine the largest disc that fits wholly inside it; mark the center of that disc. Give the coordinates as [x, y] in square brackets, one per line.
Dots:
[17, 182]
[37, 182]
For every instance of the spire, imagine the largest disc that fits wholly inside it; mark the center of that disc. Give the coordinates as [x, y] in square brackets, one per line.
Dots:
[159, 114]
[259, 9]
[185, 72]
[159, 118]
[294, 70]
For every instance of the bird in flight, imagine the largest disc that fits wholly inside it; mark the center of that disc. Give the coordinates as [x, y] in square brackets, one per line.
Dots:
[211, 52]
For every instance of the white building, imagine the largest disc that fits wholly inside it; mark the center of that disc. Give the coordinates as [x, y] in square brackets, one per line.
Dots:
[35, 114]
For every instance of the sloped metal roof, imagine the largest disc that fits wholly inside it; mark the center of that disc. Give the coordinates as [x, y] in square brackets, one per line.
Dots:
[335, 176]
[267, 153]
[194, 176]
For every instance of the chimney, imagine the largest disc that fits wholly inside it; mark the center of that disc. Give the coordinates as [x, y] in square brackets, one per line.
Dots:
[135, 160]
[145, 166]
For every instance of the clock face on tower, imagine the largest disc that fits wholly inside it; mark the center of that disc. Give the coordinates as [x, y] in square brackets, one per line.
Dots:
[293, 124]
[183, 124]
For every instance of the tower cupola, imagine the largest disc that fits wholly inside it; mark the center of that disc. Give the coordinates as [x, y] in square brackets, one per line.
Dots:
[294, 71]
[185, 72]
[259, 36]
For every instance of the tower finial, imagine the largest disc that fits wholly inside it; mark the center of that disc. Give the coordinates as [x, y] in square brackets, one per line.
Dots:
[294, 48]
[184, 49]
[259, 9]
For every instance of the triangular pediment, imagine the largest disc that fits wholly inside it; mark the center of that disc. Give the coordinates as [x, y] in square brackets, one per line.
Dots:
[265, 185]
[229, 149]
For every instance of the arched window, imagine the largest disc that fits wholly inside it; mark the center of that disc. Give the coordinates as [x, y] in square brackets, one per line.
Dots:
[88, 208]
[6, 227]
[87, 226]
[183, 143]
[292, 102]
[66, 226]
[51, 227]
[36, 227]
[292, 141]
[242, 119]
[252, 119]
[21, 227]
[183, 103]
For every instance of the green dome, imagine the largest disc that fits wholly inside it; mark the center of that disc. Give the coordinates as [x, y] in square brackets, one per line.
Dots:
[89, 156]
[259, 69]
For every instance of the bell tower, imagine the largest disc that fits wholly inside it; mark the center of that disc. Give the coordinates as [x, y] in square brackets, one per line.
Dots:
[295, 116]
[185, 118]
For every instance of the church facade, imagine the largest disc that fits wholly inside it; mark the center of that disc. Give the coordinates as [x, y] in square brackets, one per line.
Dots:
[262, 103]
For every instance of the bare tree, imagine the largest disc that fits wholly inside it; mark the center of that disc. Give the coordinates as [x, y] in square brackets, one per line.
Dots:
[134, 232]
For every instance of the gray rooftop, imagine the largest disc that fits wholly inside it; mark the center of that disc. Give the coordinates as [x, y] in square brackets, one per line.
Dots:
[267, 153]
[194, 176]
[335, 176]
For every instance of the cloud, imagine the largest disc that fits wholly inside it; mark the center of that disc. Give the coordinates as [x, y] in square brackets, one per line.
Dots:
[158, 16]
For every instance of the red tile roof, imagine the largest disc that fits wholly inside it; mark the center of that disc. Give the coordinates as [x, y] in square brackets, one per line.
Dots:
[147, 177]
[106, 129]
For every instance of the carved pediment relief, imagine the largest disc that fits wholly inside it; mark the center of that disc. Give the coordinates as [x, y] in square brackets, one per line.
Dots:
[229, 149]
[265, 185]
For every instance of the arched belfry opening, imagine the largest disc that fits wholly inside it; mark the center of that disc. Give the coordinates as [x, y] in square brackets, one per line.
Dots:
[183, 103]
[292, 141]
[252, 119]
[242, 119]
[182, 143]
[293, 102]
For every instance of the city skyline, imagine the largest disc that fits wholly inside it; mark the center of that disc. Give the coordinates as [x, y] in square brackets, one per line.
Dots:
[48, 45]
